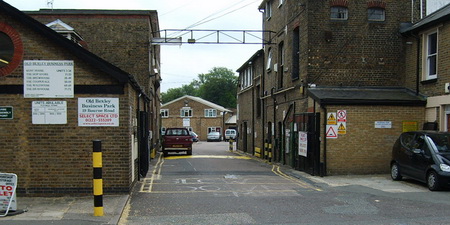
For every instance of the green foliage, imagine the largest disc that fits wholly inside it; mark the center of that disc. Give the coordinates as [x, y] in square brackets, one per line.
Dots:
[218, 86]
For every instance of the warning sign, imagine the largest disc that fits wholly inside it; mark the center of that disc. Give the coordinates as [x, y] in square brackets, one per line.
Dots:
[342, 128]
[331, 119]
[341, 115]
[332, 131]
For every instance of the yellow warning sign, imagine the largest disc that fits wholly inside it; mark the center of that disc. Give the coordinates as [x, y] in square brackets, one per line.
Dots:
[331, 119]
[342, 128]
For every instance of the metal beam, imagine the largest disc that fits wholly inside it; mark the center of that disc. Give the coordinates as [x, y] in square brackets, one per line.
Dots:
[183, 36]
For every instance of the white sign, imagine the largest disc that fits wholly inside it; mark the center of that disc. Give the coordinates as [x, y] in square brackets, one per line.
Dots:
[341, 115]
[331, 131]
[8, 184]
[383, 124]
[98, 112]
[303, 143]
[48, 79]
[49, 112]
[186, 122]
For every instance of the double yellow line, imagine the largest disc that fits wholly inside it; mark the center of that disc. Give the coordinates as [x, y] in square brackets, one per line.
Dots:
[276, 170]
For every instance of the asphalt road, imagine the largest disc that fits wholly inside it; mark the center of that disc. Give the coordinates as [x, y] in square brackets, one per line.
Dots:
[215, 186]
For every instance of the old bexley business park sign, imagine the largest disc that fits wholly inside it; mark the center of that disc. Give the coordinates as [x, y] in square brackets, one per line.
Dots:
[6, 112]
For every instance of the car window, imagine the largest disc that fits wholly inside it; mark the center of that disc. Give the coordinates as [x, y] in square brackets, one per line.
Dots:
[407, 139]
[441, 141]
[419, 142]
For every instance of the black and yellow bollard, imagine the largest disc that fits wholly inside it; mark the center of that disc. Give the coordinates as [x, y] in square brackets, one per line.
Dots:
[98, 179]
[231, 144]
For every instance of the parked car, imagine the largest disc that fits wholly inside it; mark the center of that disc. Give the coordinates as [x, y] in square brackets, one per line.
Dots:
[177, 140]
[214, 136]
[194, 136]
[230, 134]
[422, 156]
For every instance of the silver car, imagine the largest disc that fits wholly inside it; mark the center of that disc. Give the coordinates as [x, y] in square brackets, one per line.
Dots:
[214, 136]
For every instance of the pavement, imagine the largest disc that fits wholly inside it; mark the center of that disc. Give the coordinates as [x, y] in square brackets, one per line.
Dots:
[80, 210]
[66, 210]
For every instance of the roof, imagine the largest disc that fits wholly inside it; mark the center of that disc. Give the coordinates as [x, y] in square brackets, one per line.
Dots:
[200, 100]
[231, 120]
[366, 96]
[249, 61]
[441, 15]
[76, 50]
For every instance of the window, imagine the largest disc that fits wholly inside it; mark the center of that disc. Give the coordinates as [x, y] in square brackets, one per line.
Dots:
[164, 113]
[280, 63]
[376, 14]
[295, 73]
[269, 60]
[339, 13]
[213, 129]
[268, 10]
[210, 113]
[431, 53]
[186, 112]
[280, 3]
[247, 77]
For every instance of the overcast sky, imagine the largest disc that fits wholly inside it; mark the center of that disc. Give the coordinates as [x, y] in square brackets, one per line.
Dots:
[181, 64]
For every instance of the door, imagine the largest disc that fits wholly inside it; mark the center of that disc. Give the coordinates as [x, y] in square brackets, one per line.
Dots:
[144, 148]
[309, 123]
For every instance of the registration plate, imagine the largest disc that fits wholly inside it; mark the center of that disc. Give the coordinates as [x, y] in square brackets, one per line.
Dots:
[177, 146]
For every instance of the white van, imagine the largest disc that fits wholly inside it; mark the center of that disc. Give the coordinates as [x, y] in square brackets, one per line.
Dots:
[230, 134]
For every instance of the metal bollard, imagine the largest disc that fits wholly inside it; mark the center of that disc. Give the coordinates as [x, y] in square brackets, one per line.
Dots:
[98, 179]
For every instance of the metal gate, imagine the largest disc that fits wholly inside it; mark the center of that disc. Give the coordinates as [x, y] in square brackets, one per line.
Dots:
[310, 124]
[144, 148]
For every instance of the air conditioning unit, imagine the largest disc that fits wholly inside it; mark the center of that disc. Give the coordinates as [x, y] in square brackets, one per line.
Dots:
[447, 87]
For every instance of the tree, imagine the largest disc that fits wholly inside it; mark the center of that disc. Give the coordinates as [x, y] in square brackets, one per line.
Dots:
[219, 86]
[174, 93]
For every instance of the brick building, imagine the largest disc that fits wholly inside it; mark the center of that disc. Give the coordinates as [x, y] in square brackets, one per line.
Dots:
[332, 76]
[427, 65]
[57, 95]
[197, 115]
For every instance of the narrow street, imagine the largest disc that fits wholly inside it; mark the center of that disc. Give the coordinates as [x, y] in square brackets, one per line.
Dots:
[216, 186]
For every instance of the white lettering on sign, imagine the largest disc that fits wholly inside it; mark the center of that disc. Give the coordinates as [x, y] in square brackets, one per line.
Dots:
[98, 112]
[383, 124]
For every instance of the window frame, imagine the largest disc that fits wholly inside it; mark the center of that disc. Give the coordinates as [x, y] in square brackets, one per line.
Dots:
[430, 58]
[382, 15]
[164, 113]
[184, 110]
[338, 13]
[210, 113]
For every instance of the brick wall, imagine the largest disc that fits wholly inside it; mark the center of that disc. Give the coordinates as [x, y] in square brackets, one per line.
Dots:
[57, 159]
[365, 149]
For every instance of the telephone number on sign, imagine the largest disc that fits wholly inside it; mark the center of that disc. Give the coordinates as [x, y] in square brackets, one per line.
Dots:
[99, 120]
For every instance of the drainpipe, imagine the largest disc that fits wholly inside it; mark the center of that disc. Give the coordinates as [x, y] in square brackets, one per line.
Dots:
[417, 64]
[324, 167]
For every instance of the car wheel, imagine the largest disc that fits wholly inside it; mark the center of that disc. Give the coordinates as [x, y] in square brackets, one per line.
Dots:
[166, 154]
[395, 172]
[433, 181]
[189, 152]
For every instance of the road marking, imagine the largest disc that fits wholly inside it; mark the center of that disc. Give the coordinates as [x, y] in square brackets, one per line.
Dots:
[278, 172]
[207, 157]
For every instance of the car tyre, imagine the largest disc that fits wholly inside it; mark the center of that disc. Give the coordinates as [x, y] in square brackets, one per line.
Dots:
[395, 172]
[433, 181]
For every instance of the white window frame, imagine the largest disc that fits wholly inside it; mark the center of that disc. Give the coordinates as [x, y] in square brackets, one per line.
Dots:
[376, 14]
[339, 13]
[210, 113]
[268, 10]
[430, 58]
[185, 110]
[269, 60]
[280, 3]
[164, 113]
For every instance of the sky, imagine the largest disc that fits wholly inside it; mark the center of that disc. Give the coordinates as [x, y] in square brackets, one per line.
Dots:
[182, 64]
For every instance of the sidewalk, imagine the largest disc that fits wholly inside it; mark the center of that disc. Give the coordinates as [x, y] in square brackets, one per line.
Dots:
[66, 210]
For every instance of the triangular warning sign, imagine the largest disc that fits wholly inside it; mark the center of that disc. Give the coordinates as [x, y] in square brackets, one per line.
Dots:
[341, 126]
[331, 132]
[331, 117]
